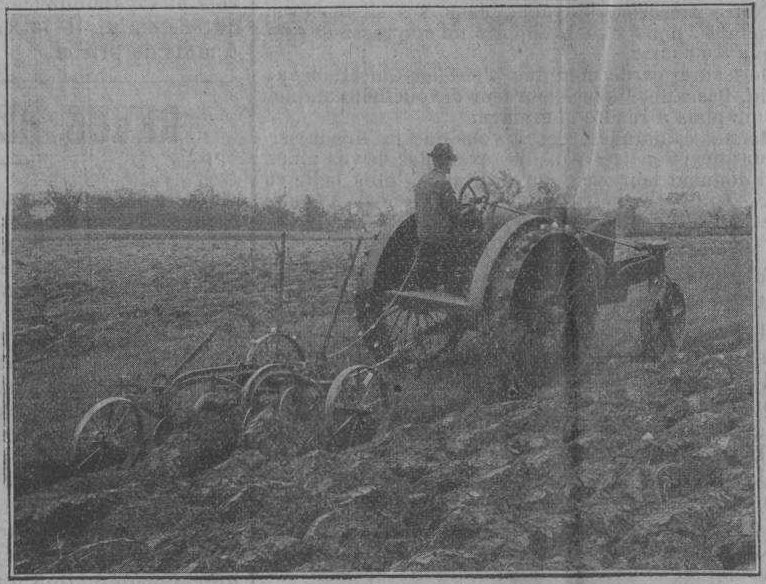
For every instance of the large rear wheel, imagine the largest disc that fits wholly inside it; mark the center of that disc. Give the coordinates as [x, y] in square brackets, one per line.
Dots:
[397, 327]
[540, 308]
[409, 330]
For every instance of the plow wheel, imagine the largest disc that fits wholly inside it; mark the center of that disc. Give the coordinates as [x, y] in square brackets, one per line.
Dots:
[275, 347]
[356, 402]
[110, 434]
[663, 319]
[541, 306]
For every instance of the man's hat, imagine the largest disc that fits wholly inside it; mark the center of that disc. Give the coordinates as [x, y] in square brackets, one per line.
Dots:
[443, 151]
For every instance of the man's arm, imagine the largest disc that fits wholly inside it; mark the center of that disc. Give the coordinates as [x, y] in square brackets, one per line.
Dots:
[449, 202]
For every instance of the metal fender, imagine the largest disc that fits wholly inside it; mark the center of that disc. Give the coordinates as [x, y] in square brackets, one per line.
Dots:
[400, 229]
[509, 231]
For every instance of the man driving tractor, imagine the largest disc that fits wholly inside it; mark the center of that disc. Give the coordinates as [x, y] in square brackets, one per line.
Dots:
[439, 218]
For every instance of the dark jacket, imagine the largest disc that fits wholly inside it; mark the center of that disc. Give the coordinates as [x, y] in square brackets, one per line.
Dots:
[435, 207]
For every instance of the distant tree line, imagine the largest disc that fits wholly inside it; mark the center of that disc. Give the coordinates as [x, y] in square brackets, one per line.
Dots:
[680, 214]
[677, 213]
[202, 209]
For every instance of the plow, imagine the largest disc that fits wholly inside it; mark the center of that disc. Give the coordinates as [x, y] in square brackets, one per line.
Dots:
[524, 281]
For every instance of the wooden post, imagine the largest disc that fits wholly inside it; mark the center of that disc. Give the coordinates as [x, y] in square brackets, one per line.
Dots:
[341, 295]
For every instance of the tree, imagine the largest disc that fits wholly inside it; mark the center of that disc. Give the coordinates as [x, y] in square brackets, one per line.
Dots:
[345, 218]
[23, 204]
[627, 213]
[549, 193]
[66, 208]
[195, 209]
[274, 215]
[682, 205]
[312, 215]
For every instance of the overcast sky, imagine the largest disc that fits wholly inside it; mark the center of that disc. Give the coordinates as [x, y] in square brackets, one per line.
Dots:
[344, 104]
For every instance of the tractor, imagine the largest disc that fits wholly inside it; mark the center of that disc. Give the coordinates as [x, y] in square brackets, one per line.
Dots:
[526, 278]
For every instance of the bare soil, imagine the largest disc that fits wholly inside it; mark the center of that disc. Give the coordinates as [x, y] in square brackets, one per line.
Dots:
[652, 469]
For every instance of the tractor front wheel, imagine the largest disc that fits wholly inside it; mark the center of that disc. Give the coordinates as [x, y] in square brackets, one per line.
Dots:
[663, 319]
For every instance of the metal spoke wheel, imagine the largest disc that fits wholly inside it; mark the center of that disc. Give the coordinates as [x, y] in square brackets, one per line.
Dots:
[663, 319]
[110, 434]
[399, 326]
[407, 329]
[417, 332]
[275, 347]
[356, 403]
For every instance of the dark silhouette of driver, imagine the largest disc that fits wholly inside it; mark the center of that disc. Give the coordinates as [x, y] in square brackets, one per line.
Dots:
[438, 216]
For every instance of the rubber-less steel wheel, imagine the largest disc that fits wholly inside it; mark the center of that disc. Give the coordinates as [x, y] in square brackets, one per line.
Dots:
[551, 297]
[398, 326]
[275, 347]
[356, 403]
[415, 331]
[540, 306]
[663, 319]
[110, 434]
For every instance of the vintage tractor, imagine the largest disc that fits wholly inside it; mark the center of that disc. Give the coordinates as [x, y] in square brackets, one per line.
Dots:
[529, 283]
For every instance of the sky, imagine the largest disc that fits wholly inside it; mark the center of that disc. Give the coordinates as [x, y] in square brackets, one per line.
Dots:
[344, 104]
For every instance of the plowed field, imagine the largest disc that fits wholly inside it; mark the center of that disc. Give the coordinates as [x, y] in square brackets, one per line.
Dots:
[658, 476]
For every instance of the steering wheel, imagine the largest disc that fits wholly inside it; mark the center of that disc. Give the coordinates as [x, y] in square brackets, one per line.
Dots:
[471, 210]
[478, 201]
